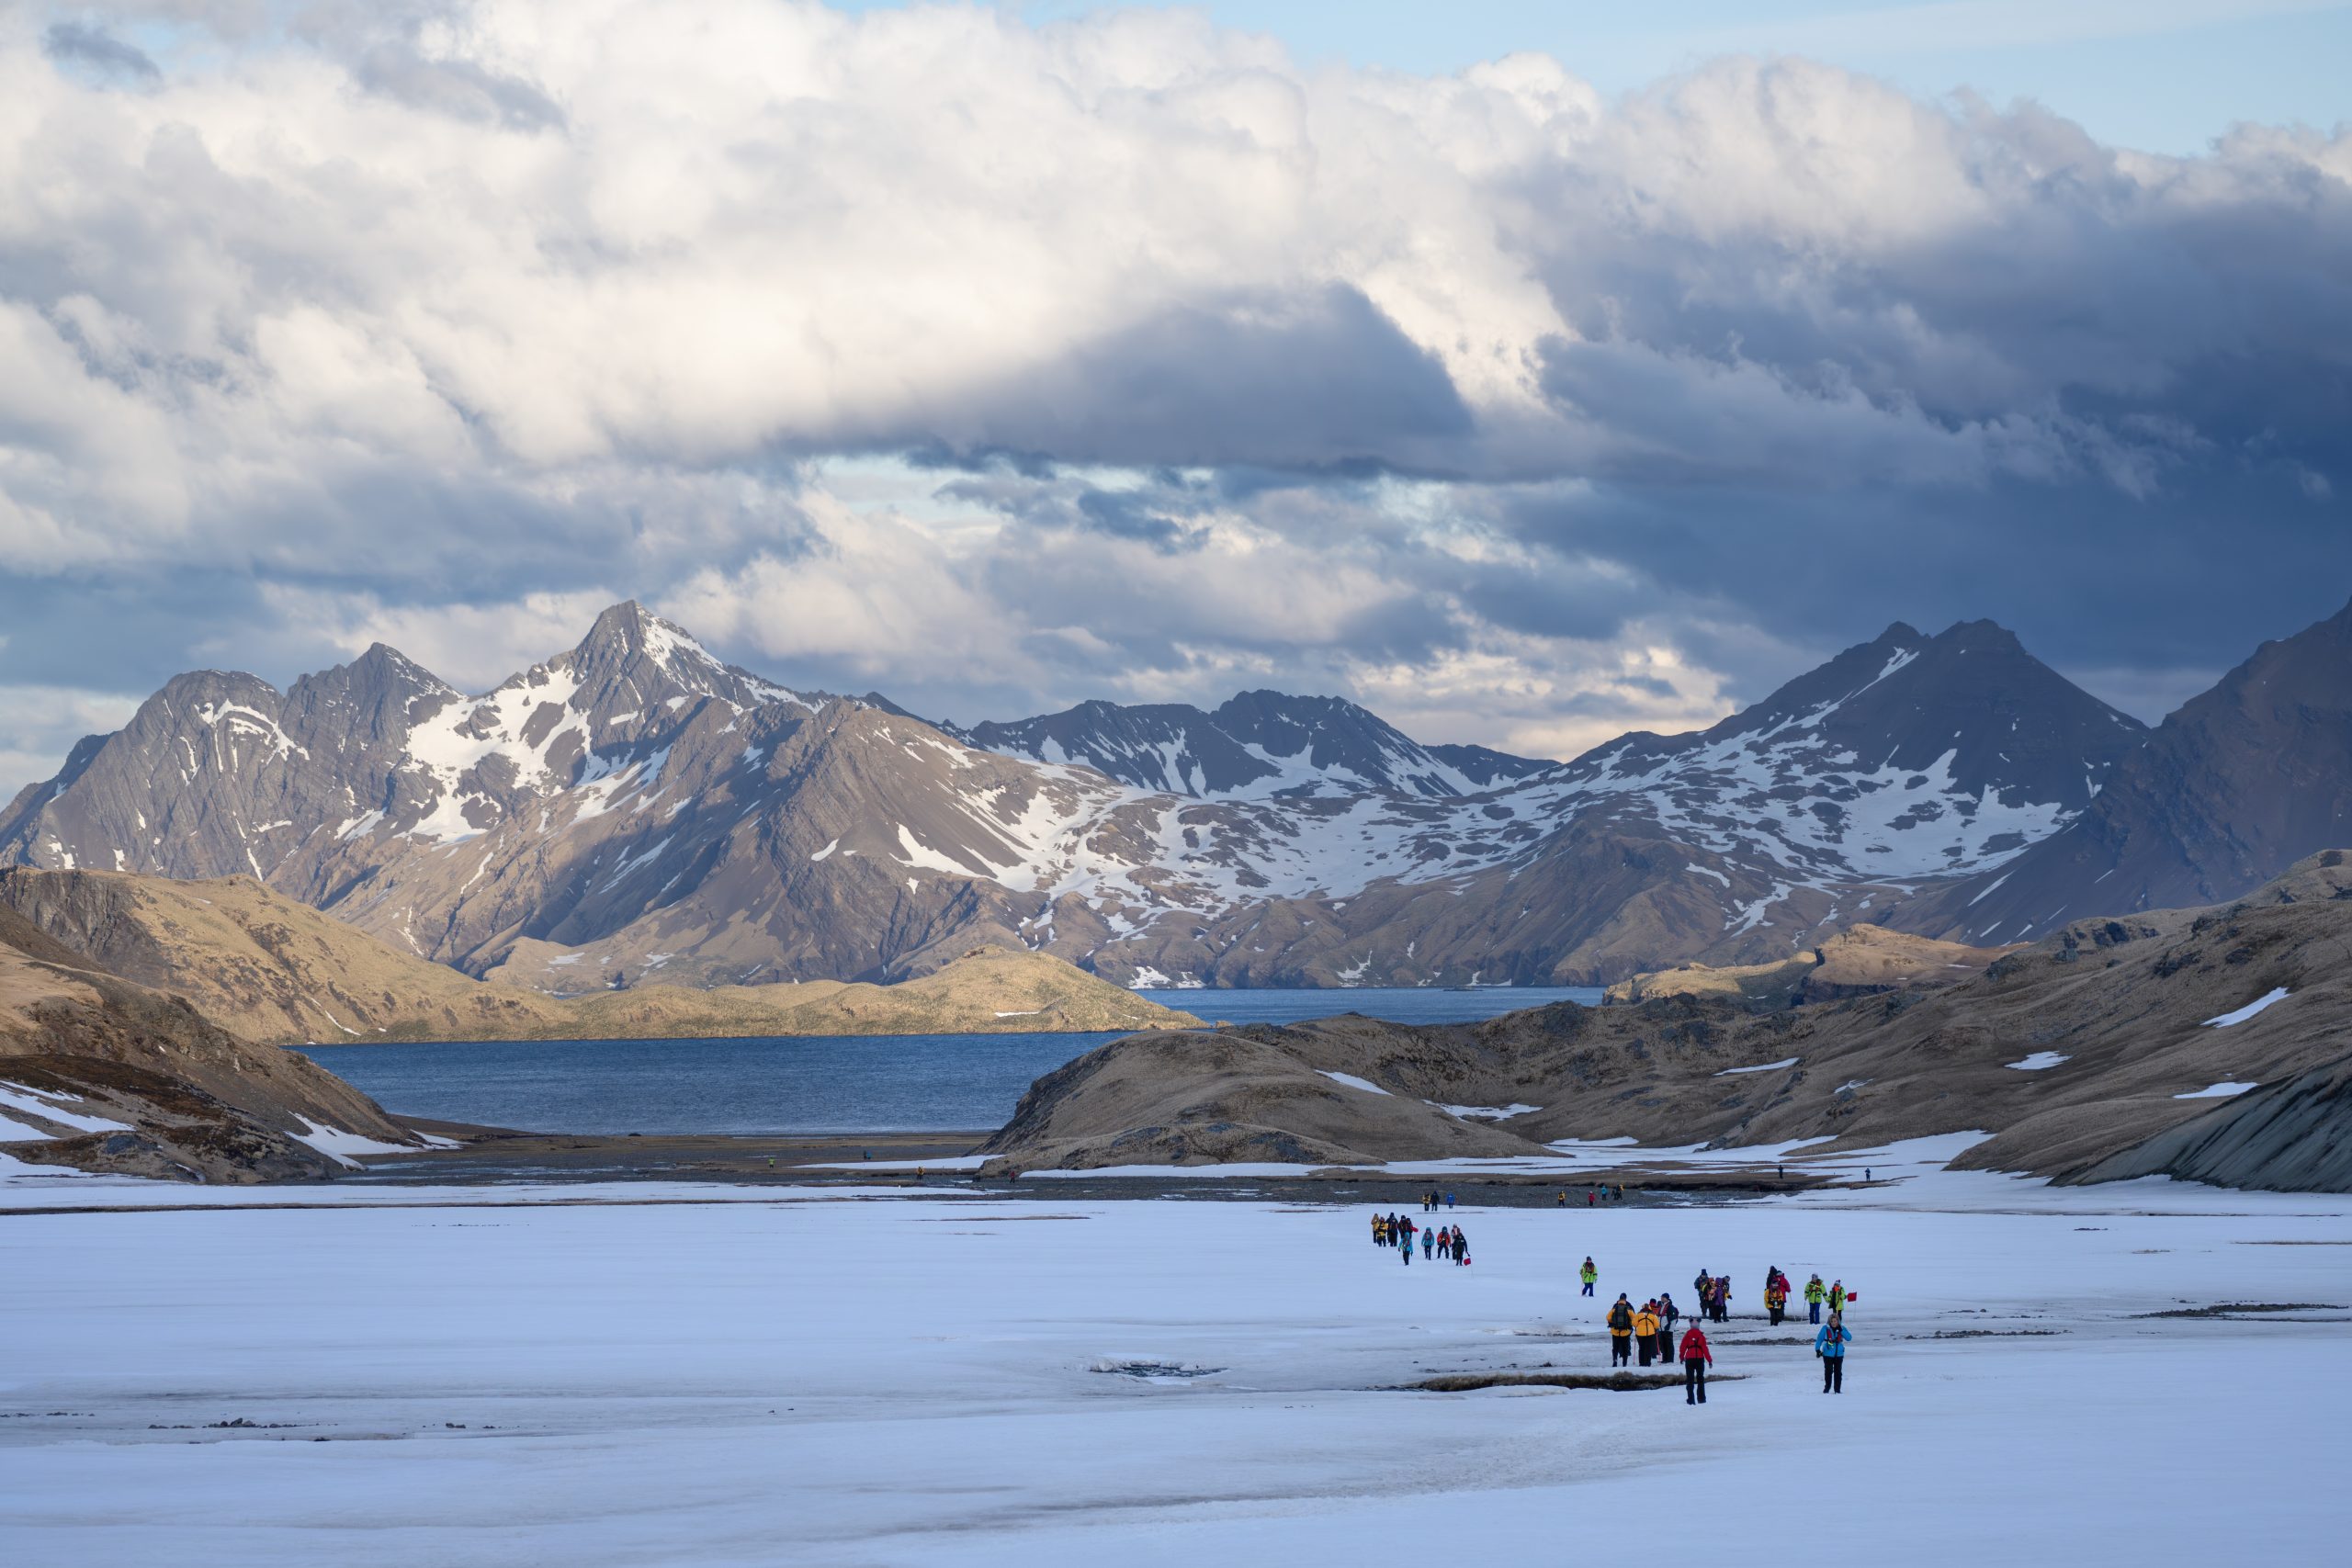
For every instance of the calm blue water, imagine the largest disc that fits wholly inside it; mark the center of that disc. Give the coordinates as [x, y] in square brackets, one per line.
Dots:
[1425, 1004]
[816, 1084]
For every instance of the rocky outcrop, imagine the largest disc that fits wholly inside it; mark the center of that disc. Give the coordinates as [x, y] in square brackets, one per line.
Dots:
[2068, 1052]
[270, 970]
[2294, 1136]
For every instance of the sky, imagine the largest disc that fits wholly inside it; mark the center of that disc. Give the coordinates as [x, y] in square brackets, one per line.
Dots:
[1527, 374]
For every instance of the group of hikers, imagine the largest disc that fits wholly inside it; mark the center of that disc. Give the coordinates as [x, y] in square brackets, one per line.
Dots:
[1433, 1201]
[1648, 1330]
[1593, 1195]
[1396, 1231]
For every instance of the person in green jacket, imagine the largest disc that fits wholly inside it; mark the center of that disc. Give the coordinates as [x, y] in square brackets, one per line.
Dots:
[1837, 1297]
[1590, 1275]
[1815, 1292]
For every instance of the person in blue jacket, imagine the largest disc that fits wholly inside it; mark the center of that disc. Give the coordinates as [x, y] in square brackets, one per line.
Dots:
[1831, 1346]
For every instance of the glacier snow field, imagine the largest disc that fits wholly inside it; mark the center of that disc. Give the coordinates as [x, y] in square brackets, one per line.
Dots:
[724, 1376]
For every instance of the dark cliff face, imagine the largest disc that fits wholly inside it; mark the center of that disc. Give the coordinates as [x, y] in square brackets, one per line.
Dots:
[2238, 785]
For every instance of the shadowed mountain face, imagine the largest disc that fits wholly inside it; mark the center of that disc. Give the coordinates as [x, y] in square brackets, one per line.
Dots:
[636, 810]
[2238, 785]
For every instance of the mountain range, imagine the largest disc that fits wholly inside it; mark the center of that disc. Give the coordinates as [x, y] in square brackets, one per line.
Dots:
[637, 810]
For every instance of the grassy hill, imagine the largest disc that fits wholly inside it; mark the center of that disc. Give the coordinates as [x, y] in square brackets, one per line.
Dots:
[270, 970]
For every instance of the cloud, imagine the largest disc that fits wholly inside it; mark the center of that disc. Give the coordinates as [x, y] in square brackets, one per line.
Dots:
[997, 365]
[96, 51]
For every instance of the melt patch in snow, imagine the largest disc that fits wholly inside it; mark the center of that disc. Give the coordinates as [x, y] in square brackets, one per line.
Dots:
[1765, 1068]
[1351, 1081]
[2248, 1011]
[2216, 1091]
[1488, 1113]
[2041, 1061]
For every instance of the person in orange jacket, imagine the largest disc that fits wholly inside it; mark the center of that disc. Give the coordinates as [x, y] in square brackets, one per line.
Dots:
[1621, 1332]
[1696, 1359]
[1645, 1331]
[1776, 1300]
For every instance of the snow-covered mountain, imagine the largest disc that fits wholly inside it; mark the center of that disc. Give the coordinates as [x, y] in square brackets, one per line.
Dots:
[2240, 784]
[1261, 745]
[637, 808]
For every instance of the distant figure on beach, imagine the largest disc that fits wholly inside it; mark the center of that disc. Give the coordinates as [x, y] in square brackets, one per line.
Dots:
[1696, 1359]
[1590, 1275]
[1831, 1346]
[1621, 1332]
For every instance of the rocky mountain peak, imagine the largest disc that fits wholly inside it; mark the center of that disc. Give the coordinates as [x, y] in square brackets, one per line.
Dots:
[2237, 784]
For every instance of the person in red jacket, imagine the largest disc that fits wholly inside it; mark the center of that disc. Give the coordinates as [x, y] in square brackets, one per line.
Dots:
[1696, 1359]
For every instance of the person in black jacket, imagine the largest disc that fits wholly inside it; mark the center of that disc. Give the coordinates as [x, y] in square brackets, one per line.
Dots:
[1621, 1332]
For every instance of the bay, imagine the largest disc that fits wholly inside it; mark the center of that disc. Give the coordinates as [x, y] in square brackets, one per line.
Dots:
[812, 1084]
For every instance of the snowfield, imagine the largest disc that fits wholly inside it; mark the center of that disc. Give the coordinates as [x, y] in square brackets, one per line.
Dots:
[722, 1376]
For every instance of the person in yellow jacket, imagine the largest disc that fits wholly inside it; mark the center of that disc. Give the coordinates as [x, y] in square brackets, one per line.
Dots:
[1645, 1331]
[1815, 1292]
[1776, 1300]
[1621, 1332]
[1590, 1275]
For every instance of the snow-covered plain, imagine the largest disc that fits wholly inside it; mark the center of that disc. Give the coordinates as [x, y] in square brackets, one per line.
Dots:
[880, 1377]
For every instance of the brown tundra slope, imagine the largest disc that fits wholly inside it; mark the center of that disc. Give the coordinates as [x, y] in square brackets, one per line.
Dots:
[1860, 960]
[100, 1073]
[271, 970]
[2075, 1053]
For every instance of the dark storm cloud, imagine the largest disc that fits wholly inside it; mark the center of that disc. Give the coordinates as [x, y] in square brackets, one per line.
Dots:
[1318, 377]
[92, 48]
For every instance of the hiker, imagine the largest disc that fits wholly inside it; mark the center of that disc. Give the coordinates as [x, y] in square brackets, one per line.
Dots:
[1776, 1300]
[1815, 1292]
[1723, 1298]
[1831, 1346]
[1866, 1173]
[1621, 1332]
[1588, 1199]
[1405, 1237]
[1429, 1243]
[1561, 1200]
[1645, 1331]
[1590, 1275]
[1836, 1299]
[1696, 1359]
[1703, 1285]
[1666, 1313]
[1449, 1200]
